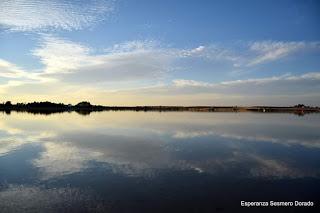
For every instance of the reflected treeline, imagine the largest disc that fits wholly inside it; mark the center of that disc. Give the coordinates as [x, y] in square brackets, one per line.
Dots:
[85, 108]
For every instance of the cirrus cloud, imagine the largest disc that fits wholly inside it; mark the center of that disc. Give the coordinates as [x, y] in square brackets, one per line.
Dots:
[267, 51]
[39, 15]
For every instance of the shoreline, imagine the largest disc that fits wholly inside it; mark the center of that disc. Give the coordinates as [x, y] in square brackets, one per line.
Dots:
[87, 108]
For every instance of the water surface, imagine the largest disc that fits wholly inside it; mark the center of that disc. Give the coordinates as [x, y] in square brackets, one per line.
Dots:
[156, 162]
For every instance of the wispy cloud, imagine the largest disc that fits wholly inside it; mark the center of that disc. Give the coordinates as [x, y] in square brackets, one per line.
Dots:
[213, 52]
[37, 15]
[75, 62]
[190, 83]
[9, 70]
[258, 81]
[249, 54]
[267, 51]
[284, 84]
[12, 75]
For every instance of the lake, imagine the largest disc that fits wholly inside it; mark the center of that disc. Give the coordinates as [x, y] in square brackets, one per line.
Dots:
[157, 161]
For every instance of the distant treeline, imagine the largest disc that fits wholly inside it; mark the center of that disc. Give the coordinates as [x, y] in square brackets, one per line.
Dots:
[85, 108]
[49, 107]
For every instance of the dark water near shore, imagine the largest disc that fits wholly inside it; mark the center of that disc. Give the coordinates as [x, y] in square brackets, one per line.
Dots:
[157, 162]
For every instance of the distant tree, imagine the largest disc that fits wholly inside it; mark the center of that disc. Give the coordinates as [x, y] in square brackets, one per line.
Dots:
[84, 104]
[8, 104]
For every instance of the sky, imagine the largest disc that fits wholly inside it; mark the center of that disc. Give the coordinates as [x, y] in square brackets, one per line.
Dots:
[168, 52]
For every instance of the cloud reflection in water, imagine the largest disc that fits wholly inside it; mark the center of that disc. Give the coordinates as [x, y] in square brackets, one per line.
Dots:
[140, 143]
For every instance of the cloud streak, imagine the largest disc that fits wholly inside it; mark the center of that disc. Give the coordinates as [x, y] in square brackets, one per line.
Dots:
[10, 71]
[274, 50]
[285, 84]
[246, 55]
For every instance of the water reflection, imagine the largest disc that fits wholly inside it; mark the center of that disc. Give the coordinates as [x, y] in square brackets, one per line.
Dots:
[124, 159]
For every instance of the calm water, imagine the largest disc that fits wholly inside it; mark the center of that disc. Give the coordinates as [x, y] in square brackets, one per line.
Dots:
[156, 162]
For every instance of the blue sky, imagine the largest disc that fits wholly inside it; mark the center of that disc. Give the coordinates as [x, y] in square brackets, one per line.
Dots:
[123, 52]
